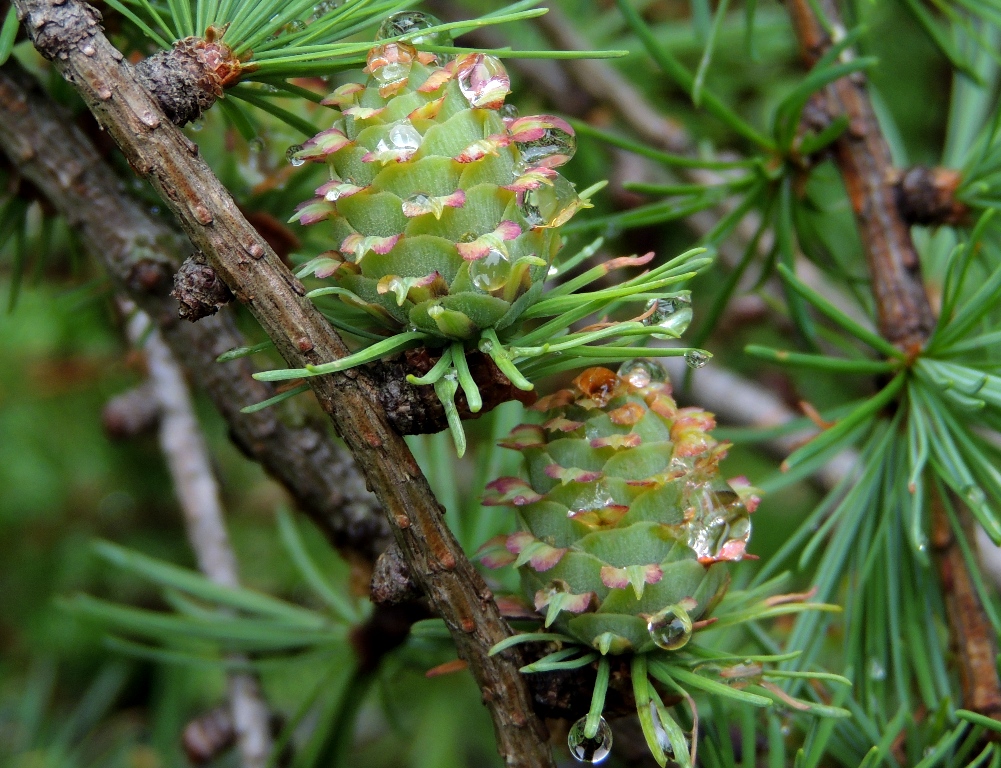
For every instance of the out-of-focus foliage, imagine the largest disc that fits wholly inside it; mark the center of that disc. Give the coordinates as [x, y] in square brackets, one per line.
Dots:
[71, 697]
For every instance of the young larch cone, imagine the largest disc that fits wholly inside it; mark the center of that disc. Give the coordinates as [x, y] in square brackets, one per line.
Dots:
[626, 524]
[442, 205]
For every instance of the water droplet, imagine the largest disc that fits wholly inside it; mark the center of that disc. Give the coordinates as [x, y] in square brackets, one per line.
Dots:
[324, 7]
[409, 22]
[554, 147]
[719, 524]
[696, 358]
[670, 313]
[642, 373]
[509, 112]
[467, 237]
[256, 144]
[402, 140]
[483, 81]
[663, 739]
[291, 155]
[670, 628]
[553, 272]
[196, 125]
[876, 670]
[490, 273]
[296, 25]
[550, 205]
[587, 750]
[392, 73]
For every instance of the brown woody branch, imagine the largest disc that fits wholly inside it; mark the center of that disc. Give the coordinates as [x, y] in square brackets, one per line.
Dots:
[141, 252]
[69, 35]
[906, 319]
[863, 156]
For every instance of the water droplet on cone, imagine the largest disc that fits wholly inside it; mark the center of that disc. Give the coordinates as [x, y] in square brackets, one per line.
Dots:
[291, 155]
[550, 206]
[490, 273]
[484, 81]
[554, 147]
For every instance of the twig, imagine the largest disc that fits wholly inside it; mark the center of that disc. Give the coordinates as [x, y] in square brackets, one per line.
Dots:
[198, 493]
[863, 156]
[69, 35]
[140, 252]
[906, 319]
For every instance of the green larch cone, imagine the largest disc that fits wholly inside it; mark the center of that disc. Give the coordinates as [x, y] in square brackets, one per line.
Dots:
[627, 525]
[442, 209]
[441, 206]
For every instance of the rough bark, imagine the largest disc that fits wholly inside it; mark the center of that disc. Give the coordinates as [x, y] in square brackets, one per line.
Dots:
[69, 35]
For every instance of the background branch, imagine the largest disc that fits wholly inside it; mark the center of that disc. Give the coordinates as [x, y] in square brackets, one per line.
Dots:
[190, 469]
[140, 252]
[69, 35]
[906, 319]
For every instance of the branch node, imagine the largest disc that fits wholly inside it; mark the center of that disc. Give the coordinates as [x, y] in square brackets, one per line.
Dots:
[187, 79]
[392, 583]
[199, 291]
[928, 196]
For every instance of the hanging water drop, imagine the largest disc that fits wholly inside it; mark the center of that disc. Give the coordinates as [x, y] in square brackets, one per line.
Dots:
[256, 144]
[670, 628]
[587, 750]
[490, 273]
[696, 358]
[550, 205]
[509, 112]
[292, 155]
[673, 313]
[196, 125]
[642, 373]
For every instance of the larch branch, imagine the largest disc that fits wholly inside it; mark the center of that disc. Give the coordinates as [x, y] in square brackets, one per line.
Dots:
[69, 35]
[906, 318]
